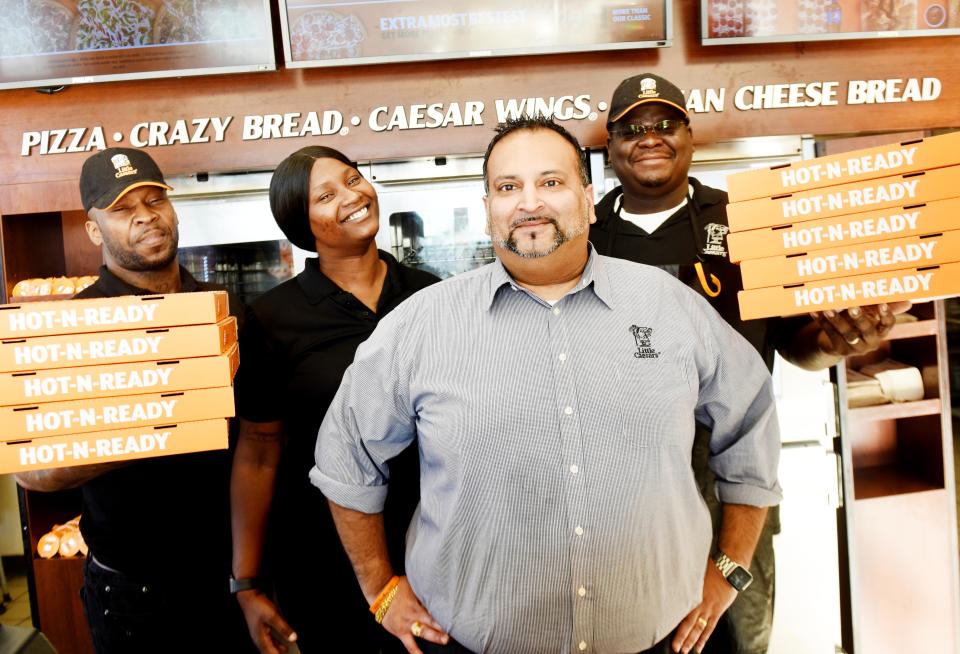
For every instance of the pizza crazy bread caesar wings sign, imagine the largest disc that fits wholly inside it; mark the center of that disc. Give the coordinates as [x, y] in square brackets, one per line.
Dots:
[848, 235]
[86, 381]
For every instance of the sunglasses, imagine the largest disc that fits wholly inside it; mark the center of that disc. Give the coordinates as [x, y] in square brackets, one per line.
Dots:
[632, 131]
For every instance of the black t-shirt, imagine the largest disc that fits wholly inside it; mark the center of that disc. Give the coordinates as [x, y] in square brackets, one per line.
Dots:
[675, 246]
[298, 340]
[167, 516]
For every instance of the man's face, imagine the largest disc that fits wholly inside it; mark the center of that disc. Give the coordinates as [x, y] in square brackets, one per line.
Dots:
[536, 201]
[139, 232]
[652, 164]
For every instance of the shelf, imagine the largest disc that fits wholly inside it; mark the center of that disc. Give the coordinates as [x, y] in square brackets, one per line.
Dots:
[913, 329]
[886, 480]
[896, 411]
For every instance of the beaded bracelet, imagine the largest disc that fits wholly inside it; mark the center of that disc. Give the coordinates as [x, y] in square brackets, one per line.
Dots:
[384, 599]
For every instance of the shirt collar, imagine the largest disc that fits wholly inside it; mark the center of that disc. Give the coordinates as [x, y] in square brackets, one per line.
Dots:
[114, 286]
[317, 286]
[594, 275]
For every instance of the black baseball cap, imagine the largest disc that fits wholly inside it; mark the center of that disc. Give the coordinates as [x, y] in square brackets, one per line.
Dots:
[109, 174]
[641, 89]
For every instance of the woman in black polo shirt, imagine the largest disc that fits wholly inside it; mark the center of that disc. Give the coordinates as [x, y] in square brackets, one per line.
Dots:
[297, 341]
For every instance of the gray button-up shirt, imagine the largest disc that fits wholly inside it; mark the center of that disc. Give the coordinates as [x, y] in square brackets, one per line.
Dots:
[559, 510]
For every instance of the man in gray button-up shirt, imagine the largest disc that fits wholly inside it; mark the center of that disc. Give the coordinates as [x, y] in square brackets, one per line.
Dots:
[553, 394]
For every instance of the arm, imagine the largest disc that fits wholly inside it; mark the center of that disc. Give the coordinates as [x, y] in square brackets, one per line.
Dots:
[740, 529]
[365, 542]
[252, 481]
[57, 479]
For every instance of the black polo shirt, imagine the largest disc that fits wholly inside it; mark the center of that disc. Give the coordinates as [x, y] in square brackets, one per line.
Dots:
[167, 516]
[298, 340]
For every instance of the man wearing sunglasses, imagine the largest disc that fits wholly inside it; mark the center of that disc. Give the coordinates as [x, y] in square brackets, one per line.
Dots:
[661, 216]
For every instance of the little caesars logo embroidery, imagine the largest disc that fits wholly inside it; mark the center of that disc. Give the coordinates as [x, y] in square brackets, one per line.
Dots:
[642, 336]
[648, 88]
[122, 164]
[715, 234]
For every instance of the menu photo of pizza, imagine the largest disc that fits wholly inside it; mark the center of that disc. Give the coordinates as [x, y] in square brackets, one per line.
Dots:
[325, 34]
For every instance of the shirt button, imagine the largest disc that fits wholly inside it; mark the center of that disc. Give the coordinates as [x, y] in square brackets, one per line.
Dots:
[556, 311]
[578, 531]
[582, 646]
[582, 592]
[568, 410]
[574, 469]
[563, 357]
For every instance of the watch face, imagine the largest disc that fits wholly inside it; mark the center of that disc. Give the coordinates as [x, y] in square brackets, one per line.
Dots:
[740, 578]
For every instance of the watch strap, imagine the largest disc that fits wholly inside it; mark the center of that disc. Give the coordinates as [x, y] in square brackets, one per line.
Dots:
[242, 584]
[725, 564]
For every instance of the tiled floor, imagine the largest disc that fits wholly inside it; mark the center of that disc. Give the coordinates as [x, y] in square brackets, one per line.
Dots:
[18, 608]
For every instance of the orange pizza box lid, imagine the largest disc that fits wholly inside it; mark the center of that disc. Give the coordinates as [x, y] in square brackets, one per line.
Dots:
[856, 166]
[110, 314]
[122, 412]
[879, 256]
[127, 346]
[850, 229]
[61, 384]
[113, 445]
[912, 284]
[882, 193]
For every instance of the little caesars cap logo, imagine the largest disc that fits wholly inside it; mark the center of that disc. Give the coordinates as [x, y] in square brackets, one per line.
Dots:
[122, 163]
[648, 88]
[715, 233]
[642, 337]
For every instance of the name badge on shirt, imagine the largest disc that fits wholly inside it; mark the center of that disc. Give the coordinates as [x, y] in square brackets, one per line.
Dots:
[714, 241]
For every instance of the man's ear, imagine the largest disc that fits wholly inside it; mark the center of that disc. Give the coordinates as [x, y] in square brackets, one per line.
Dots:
[591, 209]
[486, 207]
[93, 232]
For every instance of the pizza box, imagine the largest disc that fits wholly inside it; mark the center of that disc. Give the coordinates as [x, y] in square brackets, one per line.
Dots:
[856, 166]
[851, 229]
[108, 446]
[110, 314]
[897, 191]
[880, 256]
[127, 346]
[60, 384]
[124, 412]
[913, 284]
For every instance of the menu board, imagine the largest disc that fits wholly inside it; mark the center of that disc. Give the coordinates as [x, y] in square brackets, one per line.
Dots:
[766, 21]
[53, 42]
[380, 31]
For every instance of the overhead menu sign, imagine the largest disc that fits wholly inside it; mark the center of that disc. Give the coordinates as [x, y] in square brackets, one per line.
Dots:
[56, 42]
[380, 31]
[765, 21]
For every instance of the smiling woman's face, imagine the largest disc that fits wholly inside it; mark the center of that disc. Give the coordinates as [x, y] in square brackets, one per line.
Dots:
[652, 161]
[343, 207]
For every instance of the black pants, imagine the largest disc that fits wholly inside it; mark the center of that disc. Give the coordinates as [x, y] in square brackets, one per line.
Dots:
[128, 615]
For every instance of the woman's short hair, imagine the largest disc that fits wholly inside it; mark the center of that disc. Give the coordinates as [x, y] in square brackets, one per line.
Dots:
[290, 193]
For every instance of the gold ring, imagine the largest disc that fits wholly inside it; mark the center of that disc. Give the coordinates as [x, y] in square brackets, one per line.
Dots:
[702, 621]
[416, 629]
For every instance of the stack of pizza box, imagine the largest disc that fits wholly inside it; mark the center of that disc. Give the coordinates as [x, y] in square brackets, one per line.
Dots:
[854, 229]
[102, 380]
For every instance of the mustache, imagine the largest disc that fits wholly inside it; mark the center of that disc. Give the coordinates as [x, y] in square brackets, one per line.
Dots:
[517, 222]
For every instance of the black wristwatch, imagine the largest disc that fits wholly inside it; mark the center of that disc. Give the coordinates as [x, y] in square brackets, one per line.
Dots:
[735, 574]
[240, 585]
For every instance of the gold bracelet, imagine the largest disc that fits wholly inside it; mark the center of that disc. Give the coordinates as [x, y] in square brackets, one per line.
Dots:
[385, 604]
[385, 596]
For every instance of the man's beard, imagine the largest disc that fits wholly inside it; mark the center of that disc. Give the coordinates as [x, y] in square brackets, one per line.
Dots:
[510, 243]
[131, 260]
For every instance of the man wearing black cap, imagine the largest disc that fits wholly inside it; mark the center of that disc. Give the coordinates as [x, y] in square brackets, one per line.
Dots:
[156, 578]
[661, 216]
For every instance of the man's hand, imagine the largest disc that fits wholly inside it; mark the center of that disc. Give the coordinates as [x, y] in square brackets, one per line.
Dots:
[695, 629]
[857, 330]
[265, 623]
[406, 611]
